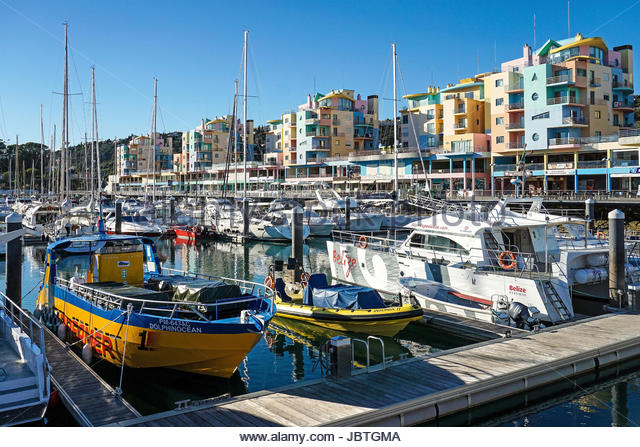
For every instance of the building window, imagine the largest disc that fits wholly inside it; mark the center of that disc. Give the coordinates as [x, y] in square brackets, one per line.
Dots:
[535, 137]
[335, 131]
[499, 101]
[597, 113]
[598, 133]
[405, 119]
[337, 142]
[499, 82]
[499, 121]
[581, 72]
[540, 116]
[534, 96]
[499, 140]
[605, 97]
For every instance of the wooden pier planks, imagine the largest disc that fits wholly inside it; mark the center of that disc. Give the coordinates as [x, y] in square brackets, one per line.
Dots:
[414, 386]
[88, 398]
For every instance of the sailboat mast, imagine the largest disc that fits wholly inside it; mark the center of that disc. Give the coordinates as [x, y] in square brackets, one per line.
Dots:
[41, 153]
[234, 127]
[17, 172]
[87, 185]
[244, 113]
[93, 131]
[63, 154]
[95, 127]
[395, 126]
[153, 135]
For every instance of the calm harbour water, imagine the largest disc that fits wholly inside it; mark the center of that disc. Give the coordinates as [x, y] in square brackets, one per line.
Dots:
[288, 353]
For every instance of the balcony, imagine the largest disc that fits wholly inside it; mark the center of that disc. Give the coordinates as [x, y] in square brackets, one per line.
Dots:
[594, 82]
[622, 85]
[564, 99]
[592, 164]
[575, 121]
[460, 126]
[560, 79]
[516, 106]
[625, 163]
[514, 145]
[460, 111]
[515, 87]
[515, 126]
[564, 141]
[620, 105]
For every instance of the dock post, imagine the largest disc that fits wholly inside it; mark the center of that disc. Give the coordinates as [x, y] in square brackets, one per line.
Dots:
[118, 217]
[347, 214]
[590, 213]
[13, 264]
[297, 241]
[617, 280]
[172, 209]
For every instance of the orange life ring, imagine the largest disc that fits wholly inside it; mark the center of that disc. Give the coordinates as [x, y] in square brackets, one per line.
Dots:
[601, 235]
[304, 279]
[512, 260]
[269, 281]
[363, 241]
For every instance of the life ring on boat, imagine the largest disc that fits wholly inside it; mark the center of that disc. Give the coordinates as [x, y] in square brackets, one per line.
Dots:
[363, 242]
[507, 255]
[304, 279]
[601, 235]
[269, 281]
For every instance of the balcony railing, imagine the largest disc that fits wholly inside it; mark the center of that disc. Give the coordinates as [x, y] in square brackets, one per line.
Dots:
[560, 79]
[504, 168]
[564, 100]
[629, 132]
[563, 141]
[625, 163]
[575, 120]
[592, 164]
[621, 105]
[594, 81]
[516, 125]
[514, 145]
[460, 110]
[515, 106]
[623, 85]
[460, 126]
[515, 86]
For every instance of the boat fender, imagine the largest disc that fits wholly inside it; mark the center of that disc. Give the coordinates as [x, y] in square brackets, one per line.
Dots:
[304, 279]
[37, 313]
[87, 353]
[61, 332]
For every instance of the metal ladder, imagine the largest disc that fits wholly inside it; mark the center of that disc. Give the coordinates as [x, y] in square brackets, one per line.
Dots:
[492, 247]
[555, 300]
[434, 205]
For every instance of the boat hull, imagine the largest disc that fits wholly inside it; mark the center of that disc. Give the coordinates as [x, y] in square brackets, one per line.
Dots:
[383, 322]
[215, 348]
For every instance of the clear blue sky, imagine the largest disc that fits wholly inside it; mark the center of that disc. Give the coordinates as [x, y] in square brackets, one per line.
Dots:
[195, 50]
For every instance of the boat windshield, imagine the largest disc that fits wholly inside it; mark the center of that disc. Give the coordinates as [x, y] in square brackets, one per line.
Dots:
[135, 219]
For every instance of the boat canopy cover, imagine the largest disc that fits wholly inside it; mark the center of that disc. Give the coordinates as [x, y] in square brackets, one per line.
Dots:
[187, 288]
[343, 297]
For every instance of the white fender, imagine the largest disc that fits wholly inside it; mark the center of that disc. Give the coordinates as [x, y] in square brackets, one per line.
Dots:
[87, 353]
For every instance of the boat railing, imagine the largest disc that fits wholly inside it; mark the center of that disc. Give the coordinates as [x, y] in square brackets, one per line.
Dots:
[366, 240]
[171, 309]
[31, 327]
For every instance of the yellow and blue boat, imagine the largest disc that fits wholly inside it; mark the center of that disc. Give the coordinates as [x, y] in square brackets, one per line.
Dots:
[344, 308]
[127, 305]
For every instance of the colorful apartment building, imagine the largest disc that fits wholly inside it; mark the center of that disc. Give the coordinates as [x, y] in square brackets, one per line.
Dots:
[134, 157]
[565, 106]
[207, 145]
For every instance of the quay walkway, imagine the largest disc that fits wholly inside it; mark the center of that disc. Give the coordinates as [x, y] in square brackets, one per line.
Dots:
[426, 388]
[91, 401]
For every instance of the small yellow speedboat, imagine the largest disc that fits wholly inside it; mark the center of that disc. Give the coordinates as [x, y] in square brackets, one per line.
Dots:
[344, 308]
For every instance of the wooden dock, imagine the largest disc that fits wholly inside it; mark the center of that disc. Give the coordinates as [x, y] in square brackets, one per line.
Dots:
[90, 400]
[426, 388]
[467, 328]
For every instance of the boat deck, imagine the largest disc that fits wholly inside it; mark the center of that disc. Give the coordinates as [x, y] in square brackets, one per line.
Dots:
[90, 400]
[426, 388]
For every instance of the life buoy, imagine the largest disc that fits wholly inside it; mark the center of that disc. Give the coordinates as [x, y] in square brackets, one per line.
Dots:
[269, 281]
[304, 279]
[601, 235]
[363, 242]
[512, 260]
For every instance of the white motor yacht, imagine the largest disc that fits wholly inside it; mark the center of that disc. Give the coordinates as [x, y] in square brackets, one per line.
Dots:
[318, 226]
[135, 226]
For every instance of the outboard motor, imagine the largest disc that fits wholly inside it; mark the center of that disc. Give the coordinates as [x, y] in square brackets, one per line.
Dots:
[519, 313]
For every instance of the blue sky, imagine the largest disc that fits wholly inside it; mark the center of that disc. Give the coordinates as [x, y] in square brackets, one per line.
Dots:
[195, 51]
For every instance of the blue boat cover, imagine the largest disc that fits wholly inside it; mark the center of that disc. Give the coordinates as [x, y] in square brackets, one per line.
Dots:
[343, 297]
